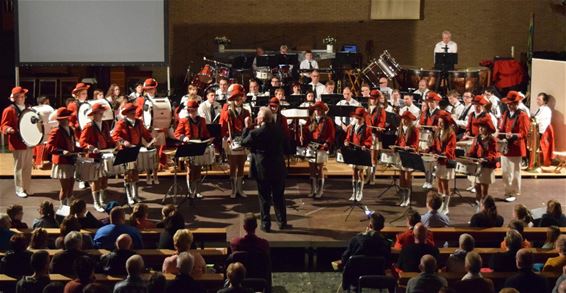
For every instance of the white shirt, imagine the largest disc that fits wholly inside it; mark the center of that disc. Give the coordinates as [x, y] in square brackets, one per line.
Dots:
[495, 106]
[220, 96]
[452, 47]
[204, 110]
[305, 64]
[413, 109]
[543, 116]
[342, 120]
[320, 89]
[423, 94]
[456, 110]
[524, 108]
[386, 91]
[462, 122]
[185, 98]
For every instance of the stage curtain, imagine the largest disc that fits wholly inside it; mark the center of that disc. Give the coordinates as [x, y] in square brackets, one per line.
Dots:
[395, 9]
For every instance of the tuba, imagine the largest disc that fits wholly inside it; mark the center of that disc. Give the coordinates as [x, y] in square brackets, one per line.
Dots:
[533, 145]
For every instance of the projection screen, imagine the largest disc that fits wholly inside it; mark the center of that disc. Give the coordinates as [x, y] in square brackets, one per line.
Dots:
[105, 32]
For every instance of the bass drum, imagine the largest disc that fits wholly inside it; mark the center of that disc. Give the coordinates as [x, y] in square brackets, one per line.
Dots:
[410, 76]
[157, 113]
[45, 112]
[31, 127]
[84, 110]
[471, 79]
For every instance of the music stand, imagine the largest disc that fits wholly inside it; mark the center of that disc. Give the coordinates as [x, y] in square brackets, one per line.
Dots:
[126, 155]
[409, 160]
[295, 100]
[183, 150]
[266, 61]
[356, 156]
[331, 99]
[287, 59]
[444, 62]
[261, 101]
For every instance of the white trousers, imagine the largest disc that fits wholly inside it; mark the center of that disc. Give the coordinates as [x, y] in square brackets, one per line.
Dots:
[23, 161]
[511, 175]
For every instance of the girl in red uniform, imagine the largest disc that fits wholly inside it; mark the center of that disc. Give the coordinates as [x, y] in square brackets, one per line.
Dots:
[408, 138]
[319, 129]
[232, 121]
[429, 117]
[445, 145]
[192, 128]
[358, 135]
[484, 147]
[95, 137]
[376, 118]
[61, 146]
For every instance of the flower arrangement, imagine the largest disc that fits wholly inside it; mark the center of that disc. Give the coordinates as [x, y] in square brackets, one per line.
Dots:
[329, 40]
[223, 40]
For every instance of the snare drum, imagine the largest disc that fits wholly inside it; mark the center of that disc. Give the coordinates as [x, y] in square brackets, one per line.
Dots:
[465, 145]
[301, 152]
[389, 157]
[108, 165]
[317, 156]
[470, 168]
[502, 146]
[234, 148]
[206, 159]
[339, 156]
[425, 139]
[429, 162]
[147, 159]
[157, 113]
[86, 169]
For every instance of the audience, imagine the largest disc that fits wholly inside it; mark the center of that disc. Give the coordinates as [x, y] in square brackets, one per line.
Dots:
[40, 277]
[139, 217]
[46, 216]
[519, 227]
[428, 280]
[236, 273]
[560, 280]
[505, 261]
[525, 280]
[522, 213]
[182, 241]
[250, 242]
[156, 283]
[553, 215]
[16, 262]
[552, 233]
[106, 236]
[407, 237]
[166, 211]
[61, 262]
[16, 213]
[5, 232]
[173, 222]
[54, 287]
[411, 254]
[114, 263]
[456, 261]
[473, 281]
[488, 216]
[39, 239]
[86, 219]
[134, 282]
[72, 224]
[183, 281]
[97, 288]
[432, 218]
[370, 243]
[83, 268]
[555, 264]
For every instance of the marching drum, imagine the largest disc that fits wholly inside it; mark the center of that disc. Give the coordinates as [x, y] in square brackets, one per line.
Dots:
[301, 152]
[147, 159]
[470, 79]
[316, 155]
[467, 167]
[339, 156]
[502, 146]
[84, 110]
[263, 74]
[465, 145]
[86, 169]
[45, 112]
[429, 162]
[157, 113]
[205, 159]
[389, 157]
[409, 77]
[32, 128]
[235, 147]
[425, 139]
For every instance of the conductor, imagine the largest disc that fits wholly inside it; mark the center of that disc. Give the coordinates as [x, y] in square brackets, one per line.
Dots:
[268, 145]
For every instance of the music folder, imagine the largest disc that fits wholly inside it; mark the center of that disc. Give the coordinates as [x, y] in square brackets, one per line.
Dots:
[331, 98]
[340, 111]
[356, 156]
[126, 155]
[213, 130]
[266, 61]
[411, 160]
[191, 149]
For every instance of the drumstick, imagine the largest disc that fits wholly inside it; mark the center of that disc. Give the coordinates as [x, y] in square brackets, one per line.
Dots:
[375, 127]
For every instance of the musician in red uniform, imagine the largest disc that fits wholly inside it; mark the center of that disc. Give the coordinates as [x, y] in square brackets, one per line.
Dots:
[429, 119]
[376, 119]
[514, 126]
[445, 146]
[472, 129]
[319, 132]
[192, 128]
[358, 135]
[22, 154]
[149, 93]
[232, 125]
[80, 93]
[96, 137]
[484, 147]
[129, 132]
[278, 118]
[408, 138]
[61, 144]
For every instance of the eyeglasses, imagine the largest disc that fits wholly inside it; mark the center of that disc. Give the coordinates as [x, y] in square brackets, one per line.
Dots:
[383, 82]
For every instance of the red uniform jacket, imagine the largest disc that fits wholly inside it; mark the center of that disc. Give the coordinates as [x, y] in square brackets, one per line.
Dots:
[485, 149]
[409, 139]
[407, 237]
[519, 125]
[91, 135]
[472, 129]
[11, 118]
[362, 137]
[187, 127]
[74, 108]
[428, 119]
[323, 132]
[377, 118]
[547, 146]
[125, 131]
[236, 121]
[59, 140]
[139, 102]
[446, 148]
[282, 123]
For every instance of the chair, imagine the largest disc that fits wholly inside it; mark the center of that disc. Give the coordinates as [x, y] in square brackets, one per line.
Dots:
[377, 282]
[360, 265]
[258, 265]
[257, 284]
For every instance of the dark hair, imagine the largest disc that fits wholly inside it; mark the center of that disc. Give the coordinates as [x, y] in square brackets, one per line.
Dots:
[489, 207]
[116, 215]
[308, 51]
[545, 97]
[156, 283]
[210, 91]
[174, 222]
[414, 218]
[552, 233]
[95, 288]
[54, 287]
[433, 200]
[46, 209]
[69, 224]
[553, 208]
[83, 268]
[517, 225]
[13, 210]
[377, 221]
[523, 213]
[78, 206]
[223, 78]
[39, 239]
[19, 242]
[39, 260]
[250, 221]
[41, 99]
[68, 101]
[140, 211]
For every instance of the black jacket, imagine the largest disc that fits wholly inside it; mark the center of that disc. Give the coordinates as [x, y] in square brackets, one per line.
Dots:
[370, 243]
[268, 147]
[114, 263]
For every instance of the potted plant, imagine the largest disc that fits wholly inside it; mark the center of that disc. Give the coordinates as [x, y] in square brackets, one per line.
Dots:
[329, 42]
[222, 42]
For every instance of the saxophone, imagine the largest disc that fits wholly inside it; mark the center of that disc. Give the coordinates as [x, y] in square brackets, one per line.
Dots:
[533, 145]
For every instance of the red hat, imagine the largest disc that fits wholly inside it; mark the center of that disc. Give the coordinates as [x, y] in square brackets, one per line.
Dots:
[359, 112]
[149, 83]
[446, 116]
[375, 94]
[481, 100]
[485, 122]
[18, 90]
[80, 86]
[236, 90]
[97, 108]
[433, 96]
[130, 107]
[512, 97]
[274, 102]
[63, 113]
[408, 115]
[192, 104]
[320, 105]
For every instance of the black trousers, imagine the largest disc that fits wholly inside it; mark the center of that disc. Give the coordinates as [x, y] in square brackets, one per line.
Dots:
[272, 190]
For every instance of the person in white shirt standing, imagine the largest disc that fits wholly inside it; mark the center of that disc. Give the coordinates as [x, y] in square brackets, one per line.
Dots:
[543, 117]
[317, 87]
[446, 45]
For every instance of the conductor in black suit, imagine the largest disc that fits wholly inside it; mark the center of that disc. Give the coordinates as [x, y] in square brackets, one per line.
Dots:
[268, 145]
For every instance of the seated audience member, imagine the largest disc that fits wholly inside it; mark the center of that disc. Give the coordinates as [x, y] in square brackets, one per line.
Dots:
[39, 239]
[97, 288]
[411, 254]
[156, 283]
[473, 281]
[83, 268]
[250, 242]
[106, 236]
[139, 217]
[518, 226]
[509, 290]
[40, 277]
[72, 224]
[553, 215]
[525, 280]
[428, 280]
[54, 287]
[61, 262]
[236, 273]
[552, 233]
[555, 264]
[166, 211]
[560, 280]
[46, 216]
[505, 261]
[16, 213]
[182, 241]
[5, 232]
[522, 213]
[488, 216]
[456, 261]
[134, 282]
[86, 219]
[433, 218]
[175, 221]
[183, 281]
[16, 261]
[406, 238]
[114, 263]
[370, 243]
